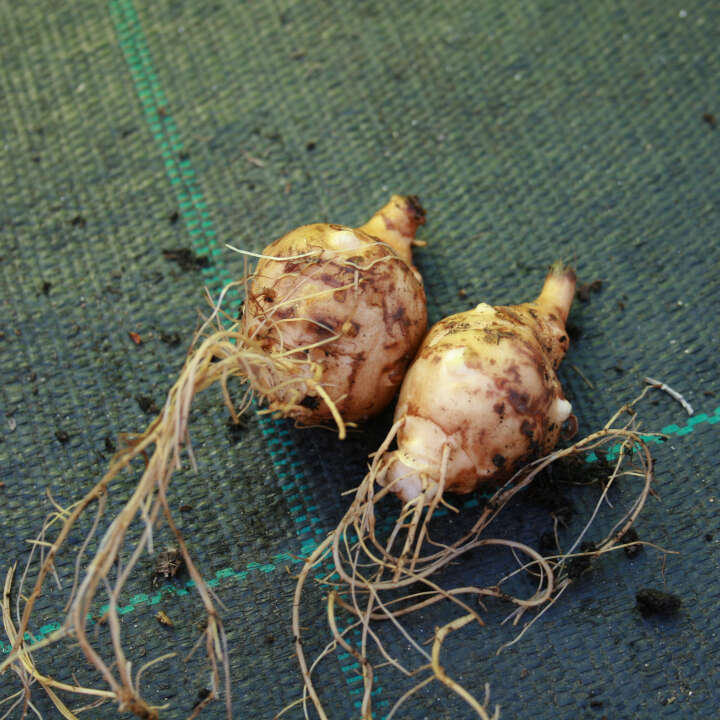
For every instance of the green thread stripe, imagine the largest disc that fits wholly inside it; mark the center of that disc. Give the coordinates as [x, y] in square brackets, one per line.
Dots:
[190, 198]
[199, 226]
[308, 546]
[673, 429]
[168, 591]
[178, 166]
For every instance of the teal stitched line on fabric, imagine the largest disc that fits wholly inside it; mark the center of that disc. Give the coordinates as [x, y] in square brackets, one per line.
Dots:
[310, 543]
[192, 206]
[191, 202]
[670, 430]
[199, 225]
[168, 591]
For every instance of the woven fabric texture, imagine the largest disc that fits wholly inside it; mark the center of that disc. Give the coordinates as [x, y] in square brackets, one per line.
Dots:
[531, 130]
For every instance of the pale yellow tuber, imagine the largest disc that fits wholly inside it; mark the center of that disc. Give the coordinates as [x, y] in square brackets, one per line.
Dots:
[481, 406]
[347, 306]
[484, 390]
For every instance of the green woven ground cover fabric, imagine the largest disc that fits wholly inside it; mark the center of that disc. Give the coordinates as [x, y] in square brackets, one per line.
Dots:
[531, 131]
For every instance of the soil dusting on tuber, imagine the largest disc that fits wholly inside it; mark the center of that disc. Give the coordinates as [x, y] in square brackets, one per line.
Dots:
[484, 391]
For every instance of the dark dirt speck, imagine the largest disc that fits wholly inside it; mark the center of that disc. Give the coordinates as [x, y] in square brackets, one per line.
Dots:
[547, 544]
[186, 259]
[203, 694]
[546, 494]
[574, 331]
[630, 536]
[578, 565]
[147, 404]
[585, 290]
[657, 602]
[172, 339]
[235, 430]
[62, 436]
[575, 469]
[168, 564]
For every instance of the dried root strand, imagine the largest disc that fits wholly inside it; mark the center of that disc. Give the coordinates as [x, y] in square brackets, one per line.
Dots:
[445, 679]
[674, 394]
[22, 663]
[331, 289]
[375, 580]
[217, 355]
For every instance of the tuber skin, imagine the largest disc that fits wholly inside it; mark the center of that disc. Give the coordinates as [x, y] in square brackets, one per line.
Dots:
[347, 305]
[484, 390]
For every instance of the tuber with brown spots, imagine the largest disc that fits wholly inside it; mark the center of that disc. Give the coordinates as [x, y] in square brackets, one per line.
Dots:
[481, 406]
[484, 389]
[344, 310]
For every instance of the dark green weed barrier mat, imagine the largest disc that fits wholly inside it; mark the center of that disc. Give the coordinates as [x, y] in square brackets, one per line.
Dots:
[531, 130]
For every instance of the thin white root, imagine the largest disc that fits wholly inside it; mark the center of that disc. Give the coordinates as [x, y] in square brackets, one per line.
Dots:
[674, 394]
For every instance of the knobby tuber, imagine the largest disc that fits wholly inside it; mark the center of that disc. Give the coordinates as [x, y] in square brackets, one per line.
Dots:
[484, 386]
[346, 310]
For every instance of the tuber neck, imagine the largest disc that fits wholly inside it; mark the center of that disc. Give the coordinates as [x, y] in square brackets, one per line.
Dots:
[558, 291]
[396, 224]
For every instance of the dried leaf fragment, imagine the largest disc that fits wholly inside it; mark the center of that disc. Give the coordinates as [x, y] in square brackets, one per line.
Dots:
[163, 619]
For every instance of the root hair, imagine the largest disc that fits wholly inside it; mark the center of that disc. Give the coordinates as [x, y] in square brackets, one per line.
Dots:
[374, 577]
